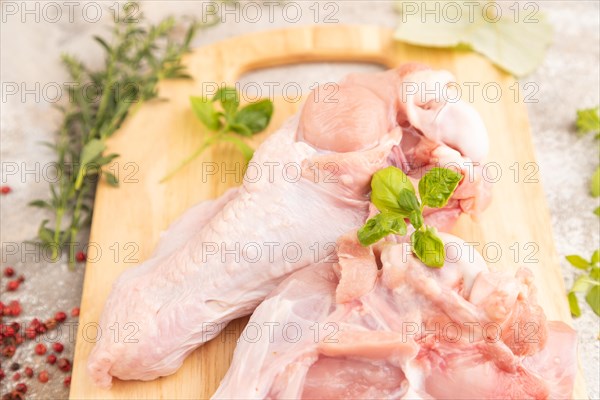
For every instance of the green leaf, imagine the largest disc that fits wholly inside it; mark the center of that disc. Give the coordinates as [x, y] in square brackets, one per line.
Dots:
[380, 226]
[103, 44]
[582, 284]
[246, 150]
[595, 274]
[578, 261]
[387, 187]
[229, 99]
[437, 186]
[91, 151]
[574, 304]
[206, 113]
[46, 235]
[408, 203]
[517, 47]
[593, 299]
[111, 179]
[595, 183]
[241, 129]
[588, 121]
[40, 204]
[416, 219]
[106, 159]
[255, 116]
[595, 257]
[597, 211]
[428, 247]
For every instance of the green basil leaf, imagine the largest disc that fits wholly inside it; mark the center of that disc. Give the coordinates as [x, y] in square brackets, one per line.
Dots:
[593, 299]
[588, 120]
[229, 99]
[595, 183]
[241, 129]
[91, 151]
[416, 219]
[582, 284]
[428, 247]
[255, 116]
[246, 150]
[574, 304]
[387, 193]
[380, 226]
[437, 185]
[111, 179]
[595, 274]
[408, 205]
[206, 113]
[595, 257]
[578, 261]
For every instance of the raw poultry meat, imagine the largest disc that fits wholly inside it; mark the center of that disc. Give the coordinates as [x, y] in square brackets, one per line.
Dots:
[306, 185]
[352, 330]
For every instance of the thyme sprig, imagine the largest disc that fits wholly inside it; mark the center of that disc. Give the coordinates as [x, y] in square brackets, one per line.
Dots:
[137, 56]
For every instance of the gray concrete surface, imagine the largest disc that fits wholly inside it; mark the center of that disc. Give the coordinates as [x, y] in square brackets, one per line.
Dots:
[567, 80]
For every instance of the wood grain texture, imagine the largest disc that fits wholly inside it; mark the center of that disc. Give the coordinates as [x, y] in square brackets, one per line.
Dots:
[161, 133]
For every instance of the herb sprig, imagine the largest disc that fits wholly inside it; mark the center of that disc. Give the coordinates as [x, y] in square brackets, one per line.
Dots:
[588, 121]
[588, 283]
[394, 196]
[137, 56]
[229, 123]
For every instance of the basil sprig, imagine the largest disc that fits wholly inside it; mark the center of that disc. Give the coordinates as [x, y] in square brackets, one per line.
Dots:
[229, 124]
[588, 283]
[394, 196]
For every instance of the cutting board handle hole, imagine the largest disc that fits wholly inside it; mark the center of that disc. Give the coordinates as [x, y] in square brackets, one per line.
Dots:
[295, 81]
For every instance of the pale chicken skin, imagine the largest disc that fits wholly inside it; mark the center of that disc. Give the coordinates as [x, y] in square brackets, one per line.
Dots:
[397, 329]
[221, 259]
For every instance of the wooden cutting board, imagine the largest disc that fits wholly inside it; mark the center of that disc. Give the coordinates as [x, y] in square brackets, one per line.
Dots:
[515, 230]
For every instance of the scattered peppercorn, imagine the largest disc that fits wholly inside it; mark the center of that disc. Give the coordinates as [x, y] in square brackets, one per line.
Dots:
[64, 364]
[75, 312]
[51, 359]
[50, 323]
[58, 347]
[8, 351]
[67, 381]
[14, 395]
[21, 278]
[21, 387]
[28, 372]
[60, 316]
[2, 375]
[14, 308]
[30, 333]
[14, 366]
[16, 376]
[5, 189]
[41, 328]
[40, 349]
[43, 376]
[11, 286]
[19, 339]
[9, 271]
[80, 256]
[8, 331]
